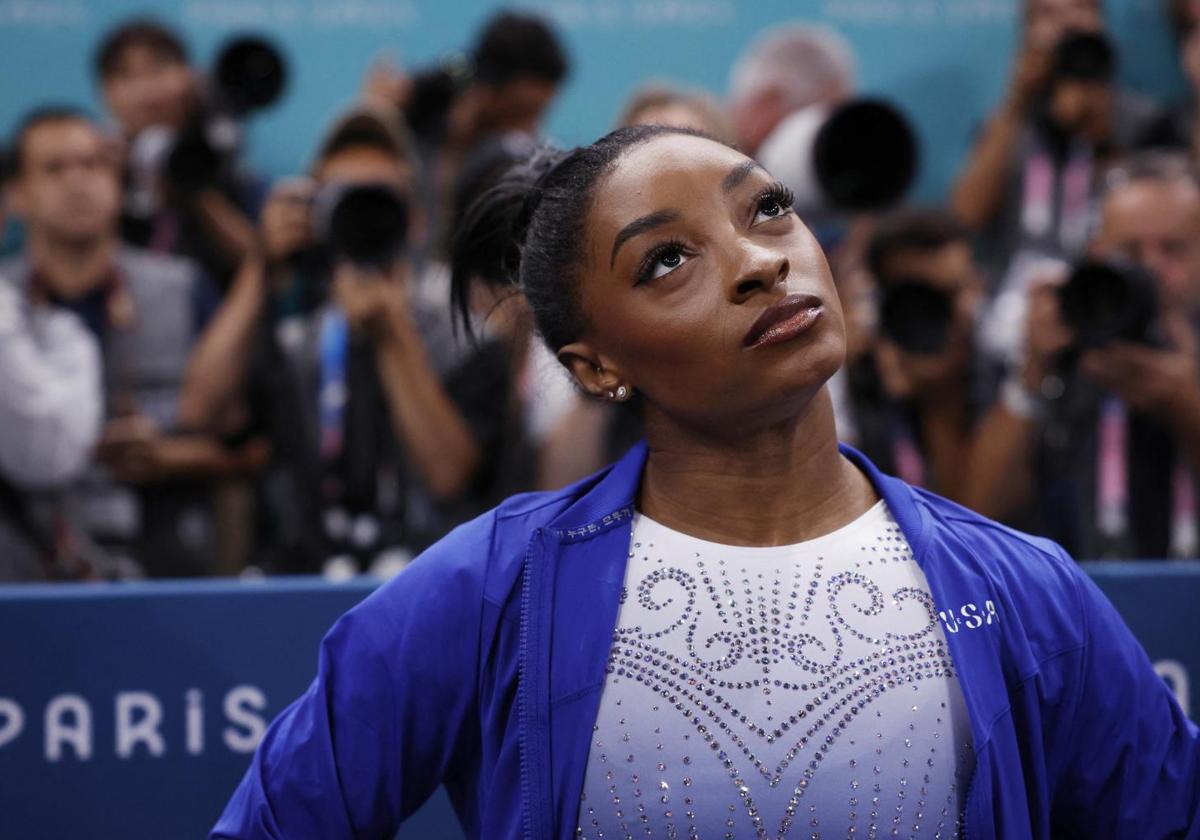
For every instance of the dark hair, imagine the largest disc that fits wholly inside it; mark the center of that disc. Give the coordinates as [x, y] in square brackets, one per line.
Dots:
[922, 229]
[15, 159]
[139, 32]
[539, 207]
[513, 45]
[481, 247]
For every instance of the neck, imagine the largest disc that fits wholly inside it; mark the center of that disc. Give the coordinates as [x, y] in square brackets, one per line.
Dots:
[72, 268]
[782, 485]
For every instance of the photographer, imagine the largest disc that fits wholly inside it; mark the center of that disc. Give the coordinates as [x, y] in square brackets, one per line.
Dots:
[1028, 186]
[322, 349]
[172, 205]
[506, 83]
[1097, 436]
[914, 400]
[146, 497]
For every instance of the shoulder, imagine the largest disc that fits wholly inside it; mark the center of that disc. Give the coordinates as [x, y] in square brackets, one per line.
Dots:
[1032, 579]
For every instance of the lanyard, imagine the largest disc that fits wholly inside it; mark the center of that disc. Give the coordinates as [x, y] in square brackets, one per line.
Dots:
[333, 392]
[1112, 484]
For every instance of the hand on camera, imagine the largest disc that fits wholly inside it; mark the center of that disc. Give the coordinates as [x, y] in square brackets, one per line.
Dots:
[1046, 336]
[1159, 381]
[387, 85]
[370, 298]
[134, 449]
[286, 225]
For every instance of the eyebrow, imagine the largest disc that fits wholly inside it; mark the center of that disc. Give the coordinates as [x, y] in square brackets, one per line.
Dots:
[639, 226]
[738, 174]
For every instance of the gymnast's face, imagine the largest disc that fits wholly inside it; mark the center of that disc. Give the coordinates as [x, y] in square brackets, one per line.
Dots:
[703, 291]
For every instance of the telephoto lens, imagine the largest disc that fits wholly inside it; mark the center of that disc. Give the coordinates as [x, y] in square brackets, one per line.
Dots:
[366, 224]
[1106, 300]
[915, 315]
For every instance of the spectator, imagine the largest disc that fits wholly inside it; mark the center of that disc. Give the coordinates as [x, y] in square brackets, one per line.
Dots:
[1103, 443]
[1177, 127]
[784, 70]
[51, 405]
[156, 97]
[662, 104]
[915, 398]
[375, 437]
[1028, 187]
[511, 77]
[144, 499]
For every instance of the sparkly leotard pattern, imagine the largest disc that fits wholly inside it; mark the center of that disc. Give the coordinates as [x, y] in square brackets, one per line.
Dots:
[791, 691]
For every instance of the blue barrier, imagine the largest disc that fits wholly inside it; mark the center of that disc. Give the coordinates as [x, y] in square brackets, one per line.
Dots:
[130, 710]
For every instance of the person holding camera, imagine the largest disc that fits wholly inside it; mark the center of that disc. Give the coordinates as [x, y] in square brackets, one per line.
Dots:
[323, 349]
[182, 196]
[1028, 185]
[144, 497]
[914, 397]
[1097, 435]
[505, 83]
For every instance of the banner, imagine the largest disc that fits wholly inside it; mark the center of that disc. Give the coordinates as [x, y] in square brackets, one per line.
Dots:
[131, 710]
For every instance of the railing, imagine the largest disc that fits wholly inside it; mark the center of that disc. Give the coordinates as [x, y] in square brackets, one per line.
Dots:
[130, 710]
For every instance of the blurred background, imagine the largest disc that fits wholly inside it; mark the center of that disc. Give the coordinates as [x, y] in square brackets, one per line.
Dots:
[257, 338]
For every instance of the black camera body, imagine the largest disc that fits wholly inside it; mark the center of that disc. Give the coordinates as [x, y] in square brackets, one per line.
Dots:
[365, 224]
[915, 315]
[1107, 300]
[248, 75]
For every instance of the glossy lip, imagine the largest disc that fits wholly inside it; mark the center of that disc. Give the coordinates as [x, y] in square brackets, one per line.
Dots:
[783, 321]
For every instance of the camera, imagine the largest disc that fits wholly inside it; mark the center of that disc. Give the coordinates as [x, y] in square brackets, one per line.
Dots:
[366, 224]
[249, 74]
[860, 156]
[1102, 301]
[915, 315]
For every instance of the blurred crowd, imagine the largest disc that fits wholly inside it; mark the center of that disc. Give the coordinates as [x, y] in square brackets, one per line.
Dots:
[204, 373]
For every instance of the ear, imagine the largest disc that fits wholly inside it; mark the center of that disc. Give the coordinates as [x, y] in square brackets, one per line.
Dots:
[589, 369]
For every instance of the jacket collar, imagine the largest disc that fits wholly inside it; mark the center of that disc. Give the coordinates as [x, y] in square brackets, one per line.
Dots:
[611, 500]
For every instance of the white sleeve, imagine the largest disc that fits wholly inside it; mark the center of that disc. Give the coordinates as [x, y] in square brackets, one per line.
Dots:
[51, 393]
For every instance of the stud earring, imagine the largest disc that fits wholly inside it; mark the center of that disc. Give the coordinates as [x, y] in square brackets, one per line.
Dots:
[622, 393]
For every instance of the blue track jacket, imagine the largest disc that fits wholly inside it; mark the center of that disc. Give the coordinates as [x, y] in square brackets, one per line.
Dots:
[481, 666]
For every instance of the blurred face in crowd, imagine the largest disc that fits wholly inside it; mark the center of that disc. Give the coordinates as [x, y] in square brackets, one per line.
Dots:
[1046, 21]
[517, 105]
[949, 269]
[677, 114]
[67, 189]
[364, 165]
[688, 243]
[1157, 225]
[147, 88]
[1082, 107]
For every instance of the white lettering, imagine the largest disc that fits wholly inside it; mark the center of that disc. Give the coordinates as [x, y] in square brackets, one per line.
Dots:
[143, 729]
[240, 704]
[77, 732]
[949, 620]
[1176, 677]
[195, 722]
[971, 618]
[990, 608]
[14, 720]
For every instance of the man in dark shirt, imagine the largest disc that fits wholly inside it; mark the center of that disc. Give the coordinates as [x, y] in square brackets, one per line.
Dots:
[1101, 444]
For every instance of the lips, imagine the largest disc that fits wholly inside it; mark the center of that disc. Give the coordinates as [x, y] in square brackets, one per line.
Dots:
[784, 320]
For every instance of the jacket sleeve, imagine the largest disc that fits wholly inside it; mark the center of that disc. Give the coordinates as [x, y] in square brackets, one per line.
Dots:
[390, 710]
[1131, 758]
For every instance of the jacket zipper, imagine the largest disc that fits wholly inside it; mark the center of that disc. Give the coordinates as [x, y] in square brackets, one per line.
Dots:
[527, 675]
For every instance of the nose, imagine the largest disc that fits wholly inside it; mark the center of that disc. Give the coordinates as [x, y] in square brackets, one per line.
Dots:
[760, 270]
